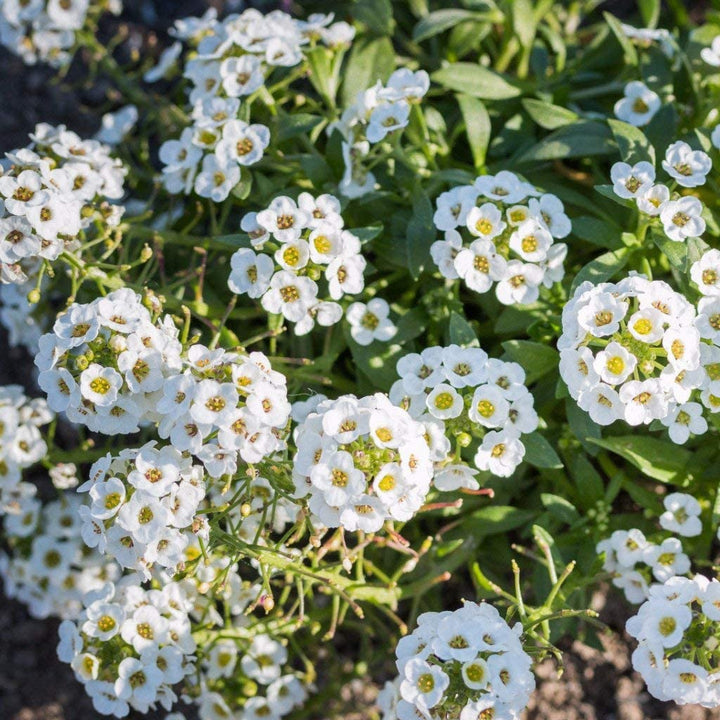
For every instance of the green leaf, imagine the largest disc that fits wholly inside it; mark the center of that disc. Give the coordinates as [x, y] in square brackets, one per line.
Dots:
[366, 234]
[588, 481]
[497, 519]
[460, 331]
[631, 57]
[601, 268]
[523, 20]
[598, 232]
[371, 59]
[582, 425]
[650, 12]
[539, 452]
[675, 252]
[658, 459]
[477, 126]
[441, 20]
[535, 358]
[376, 14]
[631, 142]
[560, 507]
[410, 325]
[547, 115]
[290, 126]
[583, 139]
[475, 80]
[420, 234]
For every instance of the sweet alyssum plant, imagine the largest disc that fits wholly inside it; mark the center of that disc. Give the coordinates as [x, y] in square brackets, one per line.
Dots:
[353, 332]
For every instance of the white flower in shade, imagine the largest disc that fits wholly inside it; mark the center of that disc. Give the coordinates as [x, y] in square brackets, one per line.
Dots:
[644, 401]
[632, 181]
[687, 166]
[520, 284]
[387, 118]
[684, 420]
[639, 104]
[653, 200]
[682, 515]
[711, 55]
[369, 322]
[667, 559]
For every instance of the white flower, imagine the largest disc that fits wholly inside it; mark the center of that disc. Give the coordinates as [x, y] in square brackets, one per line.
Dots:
[632, 181]
[444, 402]
[687, 166]
[250, 273]
[684, 420]
[386, 118]
[682, 218]
[100, 385]
[711, 55]
[242, 143]
[423, 684]
[705, 273]
[500, 453]
[682, 515]
[639, 104]
[520, 284]
[614, 364]
[370, 322]
[480, 265]
[485, 221]
[652, 201]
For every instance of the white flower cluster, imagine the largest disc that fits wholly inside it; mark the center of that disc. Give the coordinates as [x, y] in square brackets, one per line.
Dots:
[51, 192]
[48, 567]
[677, 631]
[45, 29]
[143, 507]
[510, 229]
[129, 646]
[234, 58]
[230, 664]
[378, 112]
[21, 443]
[363, 461]
[636, 350]
[303, 242]
[460, 392]
[680, 215]
[110, 367]
[634, 560]
[104, 361]
[465, 664]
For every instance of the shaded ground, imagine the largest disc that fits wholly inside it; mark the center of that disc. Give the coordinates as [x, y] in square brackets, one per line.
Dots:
[34, 685]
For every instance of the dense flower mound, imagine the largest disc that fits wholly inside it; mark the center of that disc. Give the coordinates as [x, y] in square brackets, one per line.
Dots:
[298, 244]
[248, 680]
[112, 366]
[143, 506]
[677, 630]
[362, 461]
[21, 445]
[500, 231]
[46, 29]
[129, 646]
[635, 560]
[378, 114]
[638, 351]
[466, 664]
[48, 566]
[229, 70]
[461, 393]
[55, 194]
